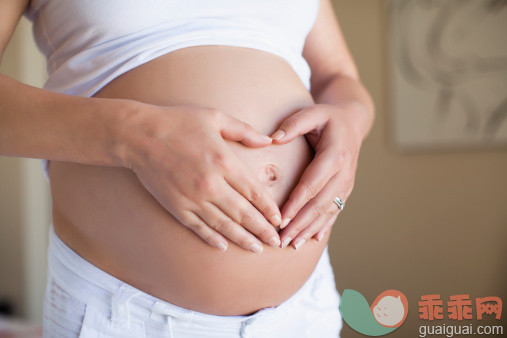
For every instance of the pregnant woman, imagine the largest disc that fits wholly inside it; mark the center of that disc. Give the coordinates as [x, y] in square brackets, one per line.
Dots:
[165, 185]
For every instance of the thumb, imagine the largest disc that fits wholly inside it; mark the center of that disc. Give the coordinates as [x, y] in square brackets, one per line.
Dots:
[233, 129]
[300, 123]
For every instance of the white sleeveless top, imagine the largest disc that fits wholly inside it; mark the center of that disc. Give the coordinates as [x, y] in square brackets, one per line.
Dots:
[88, 43]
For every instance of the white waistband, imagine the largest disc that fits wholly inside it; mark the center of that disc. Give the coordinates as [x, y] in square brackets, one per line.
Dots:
[74, 274]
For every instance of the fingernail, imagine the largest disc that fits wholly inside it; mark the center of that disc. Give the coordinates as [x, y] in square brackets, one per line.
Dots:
[266, 138]
[285, 222]
[319, 236]
[276, 220]
[299, 243]
[278, 134]
[222, 246]
[256, 248]
[274, 242]
[286, 242]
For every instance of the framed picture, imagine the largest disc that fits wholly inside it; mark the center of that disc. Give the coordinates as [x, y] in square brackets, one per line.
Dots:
[448, 71]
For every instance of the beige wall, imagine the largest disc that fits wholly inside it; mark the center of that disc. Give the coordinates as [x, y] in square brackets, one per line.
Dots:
[420, 223]
[24, 198]
[425, 223]
[11, 275]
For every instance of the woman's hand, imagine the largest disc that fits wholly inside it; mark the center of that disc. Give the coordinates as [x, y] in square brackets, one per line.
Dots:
[181, 157]
[334, 134]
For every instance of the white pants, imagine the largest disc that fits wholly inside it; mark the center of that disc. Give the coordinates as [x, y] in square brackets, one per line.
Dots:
[84, 301]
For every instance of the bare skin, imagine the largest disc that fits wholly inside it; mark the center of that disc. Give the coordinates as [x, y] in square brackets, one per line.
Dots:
[106, 215]
[112, 210]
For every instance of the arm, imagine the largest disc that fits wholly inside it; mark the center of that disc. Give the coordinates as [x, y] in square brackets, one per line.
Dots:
[335, 79]
[37, 123]
[152, 141]
[335, 126]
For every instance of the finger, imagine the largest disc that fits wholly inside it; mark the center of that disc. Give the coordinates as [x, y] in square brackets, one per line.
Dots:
[216, 219]
[241, 179]
[240, 210]
[322, 204]
[315, 177]
[300, 123]
[201, 229]
[325, 229]
[305, 235]
[233, 129]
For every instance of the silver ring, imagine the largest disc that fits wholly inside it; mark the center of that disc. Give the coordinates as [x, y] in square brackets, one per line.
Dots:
[339, 203]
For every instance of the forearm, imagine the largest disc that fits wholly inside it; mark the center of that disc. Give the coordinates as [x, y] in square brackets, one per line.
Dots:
[350, 95]
[41, 124]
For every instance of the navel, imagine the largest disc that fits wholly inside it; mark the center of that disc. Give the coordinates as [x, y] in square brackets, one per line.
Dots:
[269, 174]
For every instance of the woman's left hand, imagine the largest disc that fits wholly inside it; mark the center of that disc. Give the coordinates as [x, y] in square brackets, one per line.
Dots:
[334, 133]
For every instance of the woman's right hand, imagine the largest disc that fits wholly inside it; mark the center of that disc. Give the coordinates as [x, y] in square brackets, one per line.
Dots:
[180, 155]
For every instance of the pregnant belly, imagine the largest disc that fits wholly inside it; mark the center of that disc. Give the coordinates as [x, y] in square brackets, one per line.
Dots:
[106, 215]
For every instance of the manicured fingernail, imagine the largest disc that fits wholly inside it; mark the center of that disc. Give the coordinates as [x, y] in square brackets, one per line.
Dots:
[274, 242]
[299, 243]
[222, 246]
[286, 242]
[285, 222]
[278, 134]
[276, 220]
[256, 248]
[319, 236]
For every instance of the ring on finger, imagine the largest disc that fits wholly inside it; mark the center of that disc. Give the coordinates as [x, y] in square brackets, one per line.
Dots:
[339, 203]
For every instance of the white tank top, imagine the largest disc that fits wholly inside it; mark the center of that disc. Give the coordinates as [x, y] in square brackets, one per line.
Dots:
[88, 43]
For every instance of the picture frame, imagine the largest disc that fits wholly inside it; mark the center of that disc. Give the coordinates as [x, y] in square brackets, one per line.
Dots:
[447, 65]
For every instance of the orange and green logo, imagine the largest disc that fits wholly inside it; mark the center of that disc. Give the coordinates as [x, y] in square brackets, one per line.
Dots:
[387, 312]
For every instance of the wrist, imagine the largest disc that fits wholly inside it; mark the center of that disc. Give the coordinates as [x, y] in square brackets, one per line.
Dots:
[119, 117]
[352, 100]
[359, 117]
